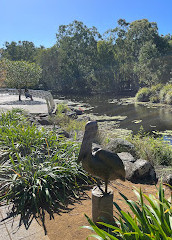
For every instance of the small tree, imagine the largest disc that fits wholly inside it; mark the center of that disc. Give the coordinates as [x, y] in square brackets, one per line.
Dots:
[21, 74]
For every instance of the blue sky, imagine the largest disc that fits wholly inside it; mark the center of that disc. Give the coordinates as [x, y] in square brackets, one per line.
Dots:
[38, 20]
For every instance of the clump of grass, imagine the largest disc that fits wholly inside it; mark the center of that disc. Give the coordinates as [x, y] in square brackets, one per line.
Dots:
[168, 97]
[68, 123]
[155, 150]
[37, 182]
[143, 95]
[164, 91]
[17, 135]
[155, 89]
[151, 220]
[41, 171]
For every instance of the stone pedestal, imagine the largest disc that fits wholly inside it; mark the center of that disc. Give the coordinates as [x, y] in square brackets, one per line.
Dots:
[102, 205]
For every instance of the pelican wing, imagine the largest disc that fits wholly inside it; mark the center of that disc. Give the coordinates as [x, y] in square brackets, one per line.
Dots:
[110, 159]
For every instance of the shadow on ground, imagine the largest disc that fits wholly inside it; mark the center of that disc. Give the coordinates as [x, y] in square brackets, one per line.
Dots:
[24, 102]
[59, 209]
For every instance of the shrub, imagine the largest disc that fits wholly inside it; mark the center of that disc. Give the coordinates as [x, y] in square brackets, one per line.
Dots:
[155, 150]
[154, 98]
[149, 221]
[156, 88]
[164, 91]
[143, 95]
[67, 123]
[168, 97]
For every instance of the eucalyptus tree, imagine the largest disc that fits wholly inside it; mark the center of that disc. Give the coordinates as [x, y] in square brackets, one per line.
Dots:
[78, 55]
[149, 66]
[20, 51]
[104, 73]
[138, 51]
[49, 61]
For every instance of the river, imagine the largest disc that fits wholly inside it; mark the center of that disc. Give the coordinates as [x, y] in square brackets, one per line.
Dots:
[151, 118]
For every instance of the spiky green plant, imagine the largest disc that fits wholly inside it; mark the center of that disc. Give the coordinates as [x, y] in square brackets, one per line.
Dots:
[152, 221]
[41, 170]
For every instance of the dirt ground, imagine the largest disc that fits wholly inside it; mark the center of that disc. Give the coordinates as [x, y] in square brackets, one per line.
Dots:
[66, 225]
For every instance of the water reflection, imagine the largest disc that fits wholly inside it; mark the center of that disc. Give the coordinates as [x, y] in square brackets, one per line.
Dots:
[150, 118]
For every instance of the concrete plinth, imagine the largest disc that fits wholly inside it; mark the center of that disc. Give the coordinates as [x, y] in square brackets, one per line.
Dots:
[102, 205]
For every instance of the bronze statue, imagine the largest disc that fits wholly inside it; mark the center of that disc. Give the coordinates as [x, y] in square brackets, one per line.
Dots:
[100, 163]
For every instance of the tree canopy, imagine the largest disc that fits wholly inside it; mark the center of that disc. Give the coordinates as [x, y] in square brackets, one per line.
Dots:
[20, 74]
[130, 56]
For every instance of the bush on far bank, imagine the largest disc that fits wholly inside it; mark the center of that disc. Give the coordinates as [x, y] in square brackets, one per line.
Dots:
[168, 97]
[167, 88]
[143, 95]
[155, 94]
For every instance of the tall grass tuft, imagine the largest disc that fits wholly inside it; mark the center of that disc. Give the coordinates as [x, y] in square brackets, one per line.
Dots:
[143, 95]
[41, 171]
[67, 123]
[164, 91]
[155, 150]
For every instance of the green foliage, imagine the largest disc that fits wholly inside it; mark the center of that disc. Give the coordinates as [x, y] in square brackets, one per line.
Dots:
[143, 95]
[62, 108]
[21, 74]
[68, 123]
[49, 61]
[168, 97]
[155, 89]
[21, 51]
[152, 149]
[41, 171]
[17, 135]
[164, 91]
[151, 220]
[130, 56]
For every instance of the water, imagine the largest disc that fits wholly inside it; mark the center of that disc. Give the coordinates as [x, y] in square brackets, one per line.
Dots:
[159, 118]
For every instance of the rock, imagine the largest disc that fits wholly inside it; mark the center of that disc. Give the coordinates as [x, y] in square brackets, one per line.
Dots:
[63, 132]
[126, 156]
[71, 115]
[167, 179]
[44, 121]
[141, 171]
[83, 118]
[78, 112]
[120, 145]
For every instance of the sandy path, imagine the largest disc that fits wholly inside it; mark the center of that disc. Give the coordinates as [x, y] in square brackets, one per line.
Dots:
[66, 225]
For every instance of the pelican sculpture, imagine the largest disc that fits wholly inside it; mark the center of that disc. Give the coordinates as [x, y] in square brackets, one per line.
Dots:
[100, 163]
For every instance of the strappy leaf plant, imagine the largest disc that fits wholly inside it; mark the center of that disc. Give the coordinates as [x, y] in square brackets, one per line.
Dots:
[41, 171]
[148, 221]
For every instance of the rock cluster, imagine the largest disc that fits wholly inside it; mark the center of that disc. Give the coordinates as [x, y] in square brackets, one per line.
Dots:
[137, 170]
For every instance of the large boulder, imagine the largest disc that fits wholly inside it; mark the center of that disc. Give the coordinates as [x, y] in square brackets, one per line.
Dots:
[138, 171]
[120, 145]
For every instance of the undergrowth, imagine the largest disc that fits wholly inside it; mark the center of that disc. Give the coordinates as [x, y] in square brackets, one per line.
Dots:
[41, 170]
[151, 148]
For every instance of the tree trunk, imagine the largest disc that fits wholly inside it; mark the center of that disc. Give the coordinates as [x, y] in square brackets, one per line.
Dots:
[19, 94]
